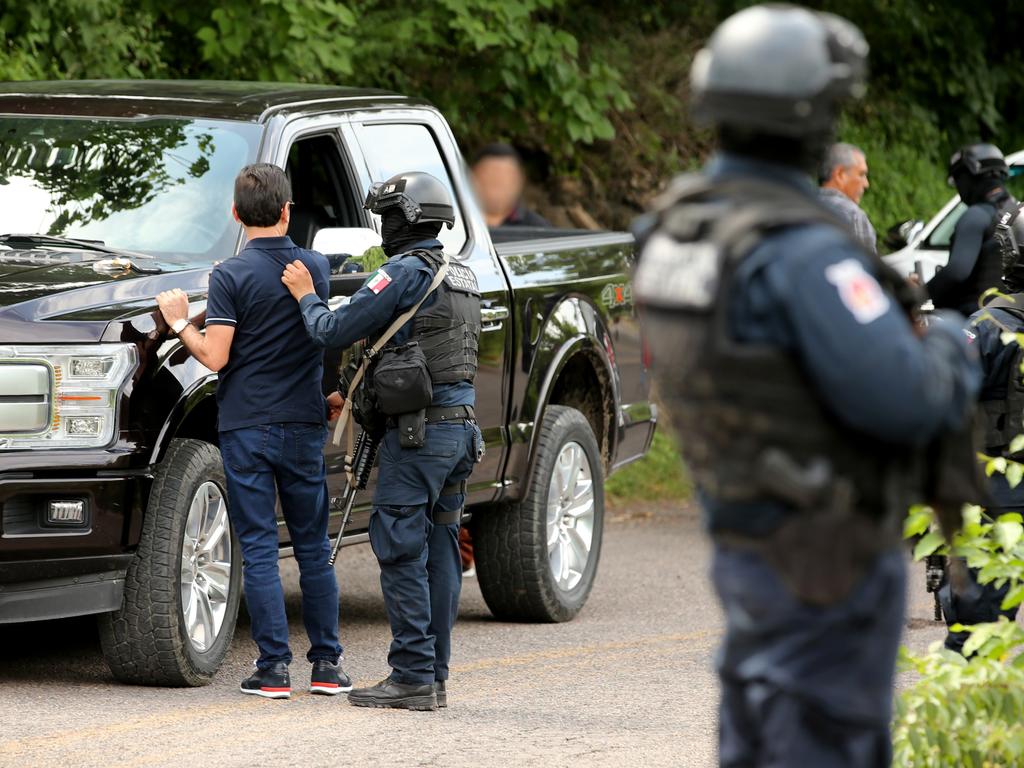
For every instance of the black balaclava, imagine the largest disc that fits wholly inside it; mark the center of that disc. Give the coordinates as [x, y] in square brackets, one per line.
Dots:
[399, 235]
[977, 189]
[804, 154]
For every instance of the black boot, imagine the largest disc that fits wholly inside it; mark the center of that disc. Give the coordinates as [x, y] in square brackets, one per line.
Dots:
[389, 693]
[442, 694]
[270, 683]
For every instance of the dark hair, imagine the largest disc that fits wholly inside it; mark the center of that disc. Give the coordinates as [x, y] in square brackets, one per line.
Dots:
[497, 150]
[261, 191]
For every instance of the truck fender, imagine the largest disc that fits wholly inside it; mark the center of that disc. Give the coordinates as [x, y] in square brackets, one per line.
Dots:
[197, 392]
[574, 328]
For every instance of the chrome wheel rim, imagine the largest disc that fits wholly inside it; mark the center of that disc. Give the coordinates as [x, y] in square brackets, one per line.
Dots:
[205, 566]
[570, 516]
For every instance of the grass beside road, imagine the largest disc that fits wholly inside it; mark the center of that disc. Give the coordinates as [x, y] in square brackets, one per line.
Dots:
[659, 476]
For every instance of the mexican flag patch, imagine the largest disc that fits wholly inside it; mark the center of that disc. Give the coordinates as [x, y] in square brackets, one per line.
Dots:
[378, 281]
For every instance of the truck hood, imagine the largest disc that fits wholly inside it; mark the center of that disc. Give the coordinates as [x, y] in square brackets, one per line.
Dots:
[52, 297]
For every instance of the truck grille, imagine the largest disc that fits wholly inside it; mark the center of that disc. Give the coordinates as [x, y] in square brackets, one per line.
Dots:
[24, 398]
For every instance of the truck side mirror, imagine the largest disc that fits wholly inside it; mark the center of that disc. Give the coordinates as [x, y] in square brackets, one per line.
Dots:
[902, 234]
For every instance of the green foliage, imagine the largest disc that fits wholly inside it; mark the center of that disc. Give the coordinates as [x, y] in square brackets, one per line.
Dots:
[962, 714]
[659, 476]
[373, 259]
[968, 711]
[286, 40]
[499, 58]
[79, 38]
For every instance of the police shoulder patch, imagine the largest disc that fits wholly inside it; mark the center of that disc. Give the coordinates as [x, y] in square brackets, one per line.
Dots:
[859, 291]
[378, 281]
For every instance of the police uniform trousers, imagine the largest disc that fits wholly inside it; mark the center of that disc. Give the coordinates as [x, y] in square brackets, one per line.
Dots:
[805, 685]
[414, 532]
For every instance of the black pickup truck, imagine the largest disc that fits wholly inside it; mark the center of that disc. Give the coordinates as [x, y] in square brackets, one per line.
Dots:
[111, 485]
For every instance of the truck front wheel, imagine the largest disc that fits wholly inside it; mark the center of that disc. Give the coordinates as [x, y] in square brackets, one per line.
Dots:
[536, 560]
[182, 592]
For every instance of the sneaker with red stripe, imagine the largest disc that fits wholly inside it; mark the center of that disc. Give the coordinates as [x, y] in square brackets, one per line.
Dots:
[270, 683]
[329, 678]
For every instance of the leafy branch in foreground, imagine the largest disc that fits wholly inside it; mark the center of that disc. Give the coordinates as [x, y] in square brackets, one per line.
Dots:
[969, 711]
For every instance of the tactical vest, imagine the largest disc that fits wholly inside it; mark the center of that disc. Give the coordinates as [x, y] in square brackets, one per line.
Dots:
[1004, 419]
[751, 425]
[448, 331]
[988, 269]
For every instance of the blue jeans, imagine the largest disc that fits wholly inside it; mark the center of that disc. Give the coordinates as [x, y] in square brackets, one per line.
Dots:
[262, 463]
[806, 685]
[420, 564]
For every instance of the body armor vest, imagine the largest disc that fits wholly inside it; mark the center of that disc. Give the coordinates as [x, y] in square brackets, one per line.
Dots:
[988, 269]
[1004, 419]
[448, 331]
[751, 424]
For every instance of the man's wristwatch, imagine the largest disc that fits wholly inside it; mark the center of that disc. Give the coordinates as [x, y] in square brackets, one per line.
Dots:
[179, 325]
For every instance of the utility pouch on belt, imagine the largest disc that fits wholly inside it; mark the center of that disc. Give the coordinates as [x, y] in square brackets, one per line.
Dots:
[401, 380]
[825, 546]
[412, 429]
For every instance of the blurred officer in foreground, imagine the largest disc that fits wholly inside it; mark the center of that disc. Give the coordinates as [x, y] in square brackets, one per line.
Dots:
[801, 392]
[431, 441]
[979, 173]
[1002, 400]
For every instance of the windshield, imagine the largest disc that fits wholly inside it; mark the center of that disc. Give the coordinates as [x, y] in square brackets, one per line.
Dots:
[159, 186]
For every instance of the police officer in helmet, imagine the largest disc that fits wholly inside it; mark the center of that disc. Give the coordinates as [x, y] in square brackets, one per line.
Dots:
[979, 173]
[801, 392]
[1002, 402]
[431, 440]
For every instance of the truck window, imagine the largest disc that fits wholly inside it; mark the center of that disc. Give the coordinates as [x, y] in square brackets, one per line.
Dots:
[321, 195]
[392, 148]
[159, 186]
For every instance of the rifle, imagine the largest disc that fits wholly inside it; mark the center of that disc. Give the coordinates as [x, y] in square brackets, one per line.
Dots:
[357, 467]
[934, 573]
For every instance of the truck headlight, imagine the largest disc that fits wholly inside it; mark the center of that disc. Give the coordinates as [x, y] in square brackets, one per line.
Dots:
[62, 396]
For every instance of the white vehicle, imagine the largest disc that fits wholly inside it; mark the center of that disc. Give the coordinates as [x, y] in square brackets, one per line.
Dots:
[927, 245]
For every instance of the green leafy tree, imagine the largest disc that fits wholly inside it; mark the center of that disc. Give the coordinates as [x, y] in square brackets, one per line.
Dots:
[968, 711]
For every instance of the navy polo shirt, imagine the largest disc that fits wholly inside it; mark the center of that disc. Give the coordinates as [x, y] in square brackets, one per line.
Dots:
[274, 371]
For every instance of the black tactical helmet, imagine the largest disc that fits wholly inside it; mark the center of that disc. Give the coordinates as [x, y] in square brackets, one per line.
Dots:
[1009, 235]
[420, 196]
[978, 160]
[778, 70]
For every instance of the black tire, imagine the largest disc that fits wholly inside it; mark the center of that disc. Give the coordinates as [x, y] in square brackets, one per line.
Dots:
[145, 642]
[510, 541]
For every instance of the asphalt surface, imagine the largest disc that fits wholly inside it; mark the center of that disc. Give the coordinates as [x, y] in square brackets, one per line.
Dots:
[630, 682]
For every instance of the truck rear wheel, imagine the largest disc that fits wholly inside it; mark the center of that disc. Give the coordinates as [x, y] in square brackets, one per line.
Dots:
[536, 560]
[182, 592]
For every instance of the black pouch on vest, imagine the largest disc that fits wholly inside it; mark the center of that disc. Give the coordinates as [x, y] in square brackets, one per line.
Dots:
[412, 429]
[401, 380]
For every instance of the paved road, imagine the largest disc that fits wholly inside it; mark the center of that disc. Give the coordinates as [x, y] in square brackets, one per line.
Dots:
[629, 683]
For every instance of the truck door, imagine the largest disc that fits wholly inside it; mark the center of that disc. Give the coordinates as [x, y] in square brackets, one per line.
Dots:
[324, 196]
[393, 142]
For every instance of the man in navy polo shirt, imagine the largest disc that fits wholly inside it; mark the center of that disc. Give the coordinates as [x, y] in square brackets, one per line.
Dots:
[272, 425]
